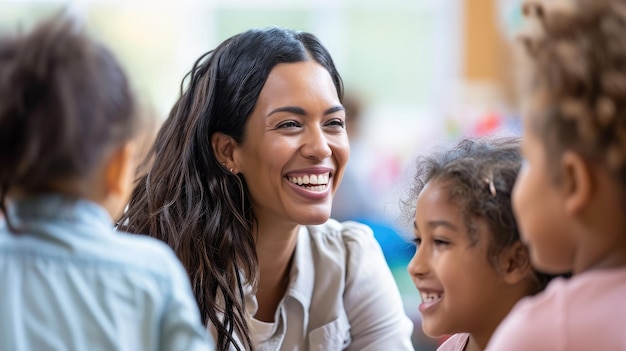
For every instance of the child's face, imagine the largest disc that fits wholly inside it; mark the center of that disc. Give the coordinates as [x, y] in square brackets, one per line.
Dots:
[458, 285]
[539, 208]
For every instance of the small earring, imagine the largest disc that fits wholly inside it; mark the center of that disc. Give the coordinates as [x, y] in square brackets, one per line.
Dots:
[230, 169]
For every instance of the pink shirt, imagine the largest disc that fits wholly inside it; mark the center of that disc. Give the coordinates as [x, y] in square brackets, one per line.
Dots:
[456, 342]
[588, 312]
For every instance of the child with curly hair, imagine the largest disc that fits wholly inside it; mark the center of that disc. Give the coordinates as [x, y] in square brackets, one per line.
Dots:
[470, 266]
[570, 197]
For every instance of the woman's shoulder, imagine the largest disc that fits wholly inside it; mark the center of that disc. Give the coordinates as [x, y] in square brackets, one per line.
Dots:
[334, 227]
[349, 239]
[348, 232]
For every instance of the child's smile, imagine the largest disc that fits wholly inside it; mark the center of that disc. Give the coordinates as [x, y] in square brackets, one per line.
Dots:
[450, 268]
[430, 299]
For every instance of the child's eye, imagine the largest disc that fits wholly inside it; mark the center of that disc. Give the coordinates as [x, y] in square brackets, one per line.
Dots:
[440, 242]
[417, 241]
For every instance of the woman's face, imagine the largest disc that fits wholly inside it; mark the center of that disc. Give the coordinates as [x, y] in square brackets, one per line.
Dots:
[295, 146]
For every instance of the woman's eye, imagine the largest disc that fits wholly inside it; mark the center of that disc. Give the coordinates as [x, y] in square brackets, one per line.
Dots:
[289, 124]
[337, 123]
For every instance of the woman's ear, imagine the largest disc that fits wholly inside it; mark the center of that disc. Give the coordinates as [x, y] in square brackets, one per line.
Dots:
[224, 147]
[515, 263]
[577, 182]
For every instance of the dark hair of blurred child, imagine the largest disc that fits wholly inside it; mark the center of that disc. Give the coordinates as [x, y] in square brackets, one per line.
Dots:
[68, 123]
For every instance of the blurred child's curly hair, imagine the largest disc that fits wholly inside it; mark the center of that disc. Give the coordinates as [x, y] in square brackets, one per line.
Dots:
[479, 176]
[577, 51]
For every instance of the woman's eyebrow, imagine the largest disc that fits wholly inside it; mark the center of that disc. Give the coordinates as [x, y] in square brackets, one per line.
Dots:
[292, 109]
[300, 111]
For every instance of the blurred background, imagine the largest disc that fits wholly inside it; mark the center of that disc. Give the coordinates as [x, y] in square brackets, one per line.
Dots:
[419, 75]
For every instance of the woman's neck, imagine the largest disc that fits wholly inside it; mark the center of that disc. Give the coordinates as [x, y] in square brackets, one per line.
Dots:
[274, 250]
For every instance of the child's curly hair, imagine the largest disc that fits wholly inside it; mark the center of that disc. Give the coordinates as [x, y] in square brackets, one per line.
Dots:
[577, 50]
[479, 176]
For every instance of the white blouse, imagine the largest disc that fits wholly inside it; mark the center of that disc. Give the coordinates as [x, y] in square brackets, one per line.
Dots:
[260, 331]
[341, 296]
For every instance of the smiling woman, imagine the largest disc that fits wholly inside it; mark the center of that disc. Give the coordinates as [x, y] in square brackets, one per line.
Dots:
[240, 183]
[296, 130]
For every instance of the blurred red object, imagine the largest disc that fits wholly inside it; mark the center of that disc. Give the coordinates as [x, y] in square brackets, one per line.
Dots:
[488, 124]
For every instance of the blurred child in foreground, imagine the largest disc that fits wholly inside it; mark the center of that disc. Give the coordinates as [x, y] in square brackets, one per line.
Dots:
[68, 123]
[570, 196]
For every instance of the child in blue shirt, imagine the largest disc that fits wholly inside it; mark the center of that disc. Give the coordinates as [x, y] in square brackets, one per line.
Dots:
[68, 120]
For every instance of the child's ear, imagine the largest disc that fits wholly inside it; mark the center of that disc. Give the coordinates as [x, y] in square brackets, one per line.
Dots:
[119, 169]
[515, 263]
[577, 182]
[224, 148]
[119, 172]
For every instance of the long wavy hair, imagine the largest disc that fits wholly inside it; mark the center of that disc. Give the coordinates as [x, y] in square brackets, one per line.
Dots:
[186, 198]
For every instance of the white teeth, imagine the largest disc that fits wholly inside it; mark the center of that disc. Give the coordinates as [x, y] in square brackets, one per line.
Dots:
[313, 179]
[430, 297]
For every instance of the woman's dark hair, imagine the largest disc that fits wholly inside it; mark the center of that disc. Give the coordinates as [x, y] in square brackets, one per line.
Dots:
[188, 199]
[64, 102]
[578, 59]
[479, 176]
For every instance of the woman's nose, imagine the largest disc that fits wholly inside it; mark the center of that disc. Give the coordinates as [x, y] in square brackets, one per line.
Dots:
[316, 144]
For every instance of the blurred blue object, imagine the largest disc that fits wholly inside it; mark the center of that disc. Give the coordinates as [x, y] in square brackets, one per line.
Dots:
[397, 250]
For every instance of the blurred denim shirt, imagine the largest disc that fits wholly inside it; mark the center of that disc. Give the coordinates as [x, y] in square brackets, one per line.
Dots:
[69, 281]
